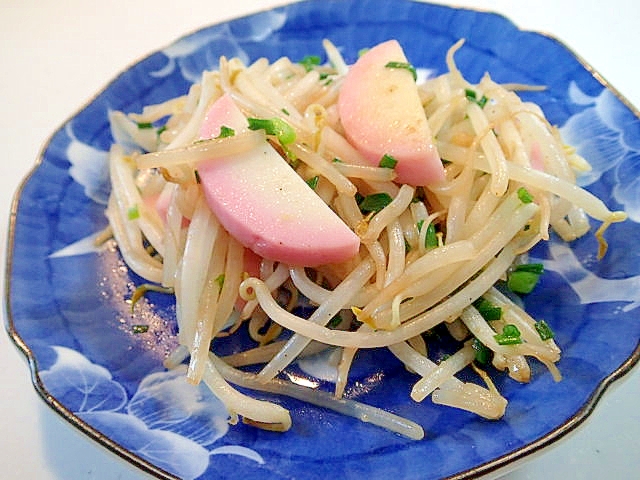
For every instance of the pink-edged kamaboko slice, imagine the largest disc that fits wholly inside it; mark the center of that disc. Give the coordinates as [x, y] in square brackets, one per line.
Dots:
[381, 113]
[265, 204]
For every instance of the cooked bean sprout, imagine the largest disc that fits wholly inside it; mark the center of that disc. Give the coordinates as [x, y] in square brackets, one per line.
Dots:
[428, 254]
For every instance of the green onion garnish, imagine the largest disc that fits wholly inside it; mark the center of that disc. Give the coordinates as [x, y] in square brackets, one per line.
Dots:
[537, 268]
[388, 161]
[144, 125]
[431, 238]
[488, 310]
[226, 132]
[544, 330]
[375, 202]
[133, 212]
[510, 335]
[274, 126]
[335, 321]
[310, 61]
[313, 182]
[524, 195]
[405, 66]
[472, 96]
[483, 353]
[139, 328]
[220, 280]
[523, 278]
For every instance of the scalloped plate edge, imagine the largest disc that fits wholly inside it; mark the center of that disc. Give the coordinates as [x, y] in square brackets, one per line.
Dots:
[495, 467]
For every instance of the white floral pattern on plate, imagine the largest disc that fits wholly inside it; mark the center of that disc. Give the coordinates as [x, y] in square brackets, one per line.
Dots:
[168, 421]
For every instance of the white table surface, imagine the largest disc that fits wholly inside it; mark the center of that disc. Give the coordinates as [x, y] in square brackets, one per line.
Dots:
[56, 55]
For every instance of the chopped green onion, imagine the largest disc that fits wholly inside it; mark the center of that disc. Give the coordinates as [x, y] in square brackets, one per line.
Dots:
[524, 195]
[388, 161]
[405, 66]
[139, 328]
[522, 282]
[161, 129]
[523, 278]
[310, 61]
[362, 51]
[488, 310]
[144, 125]
[220, 280]
[510, 335]
[483, 353]
[274, 126]
[472, 96]
[431, 237]
[133, 213]
[335, 321]
[226, 132]
[375, 202]
[313, 182]
[537, 268]
[544, 330]
[510, 330]
[337, 160]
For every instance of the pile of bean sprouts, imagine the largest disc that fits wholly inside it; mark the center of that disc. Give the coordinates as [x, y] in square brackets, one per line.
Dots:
[398, 288]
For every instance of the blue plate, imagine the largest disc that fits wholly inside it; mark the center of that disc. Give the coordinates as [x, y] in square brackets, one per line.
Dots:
[67, 308]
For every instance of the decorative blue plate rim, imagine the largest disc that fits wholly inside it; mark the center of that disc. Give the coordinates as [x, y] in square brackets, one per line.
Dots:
[41, 358]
